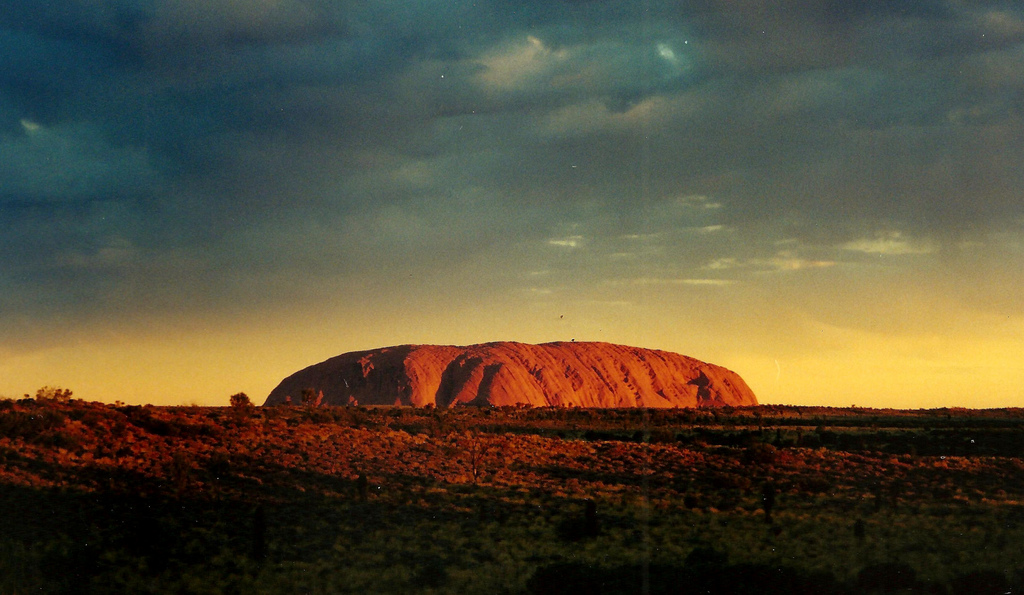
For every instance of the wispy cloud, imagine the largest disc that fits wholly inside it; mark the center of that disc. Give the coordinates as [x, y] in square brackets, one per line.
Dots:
[789, 262]
[892, 243]
[566, 242]
[711, 282]
[538, 291]
[699, 201]
[521, 63]
[656, 281]
[782, 261]
[721, 264]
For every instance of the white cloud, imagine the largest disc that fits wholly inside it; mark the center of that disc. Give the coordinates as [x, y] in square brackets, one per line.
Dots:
[567, 242]
[641, 236]
[712, 282]
[781, 262]
[699, 202]
[520, 64]
[656, 281]
[595, 116]
[721, 264]
[786, 262]
[890, 244]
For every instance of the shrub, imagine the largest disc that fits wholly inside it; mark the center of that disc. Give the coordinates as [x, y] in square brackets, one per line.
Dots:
[311, 397]
[142, 417]
[240, 401]
[59, 439]
[760, 453]
[25, 424]
[55, 394]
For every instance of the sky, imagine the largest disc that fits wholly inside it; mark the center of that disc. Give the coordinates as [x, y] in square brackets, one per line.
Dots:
[199, 198]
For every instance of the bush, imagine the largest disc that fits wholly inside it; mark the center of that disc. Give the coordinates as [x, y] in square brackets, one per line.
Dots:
[29, 425]
[240, 401]
[55, 394]
[760, 453]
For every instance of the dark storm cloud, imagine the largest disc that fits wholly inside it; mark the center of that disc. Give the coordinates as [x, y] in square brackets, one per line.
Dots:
[179, 153]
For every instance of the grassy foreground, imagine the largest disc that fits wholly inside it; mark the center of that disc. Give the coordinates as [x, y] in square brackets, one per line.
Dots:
[98, 499]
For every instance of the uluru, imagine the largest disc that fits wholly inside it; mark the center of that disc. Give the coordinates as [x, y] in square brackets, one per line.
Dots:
[560, 374]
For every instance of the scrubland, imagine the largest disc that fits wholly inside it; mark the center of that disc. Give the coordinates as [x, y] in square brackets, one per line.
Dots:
[99, 498]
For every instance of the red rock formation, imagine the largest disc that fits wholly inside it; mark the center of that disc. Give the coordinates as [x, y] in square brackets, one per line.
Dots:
[505, 373]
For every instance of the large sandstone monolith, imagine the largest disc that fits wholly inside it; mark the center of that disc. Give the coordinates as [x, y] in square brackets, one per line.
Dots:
[506, 373]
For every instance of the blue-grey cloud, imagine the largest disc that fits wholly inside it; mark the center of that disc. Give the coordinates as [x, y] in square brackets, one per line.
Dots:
[169, 154]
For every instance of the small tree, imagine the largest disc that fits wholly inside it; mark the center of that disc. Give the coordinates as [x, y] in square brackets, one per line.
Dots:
[240, 406]
[240, 401]
[55, 394]
[480, 456]
[312, 398]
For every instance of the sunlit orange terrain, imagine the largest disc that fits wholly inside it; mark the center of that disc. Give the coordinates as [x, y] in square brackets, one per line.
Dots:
[101, 498]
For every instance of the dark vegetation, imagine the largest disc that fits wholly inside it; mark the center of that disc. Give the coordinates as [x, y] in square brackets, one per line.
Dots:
[302, 499]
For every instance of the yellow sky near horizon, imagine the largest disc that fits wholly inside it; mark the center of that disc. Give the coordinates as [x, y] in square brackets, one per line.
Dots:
[793, 359]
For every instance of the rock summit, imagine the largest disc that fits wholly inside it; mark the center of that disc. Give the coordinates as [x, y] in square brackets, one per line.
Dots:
[562, 374]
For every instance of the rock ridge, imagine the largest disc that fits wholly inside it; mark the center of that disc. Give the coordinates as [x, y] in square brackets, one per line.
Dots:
[559, 374]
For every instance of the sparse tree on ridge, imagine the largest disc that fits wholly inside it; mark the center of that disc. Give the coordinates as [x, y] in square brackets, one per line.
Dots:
[240, 401]
[55, 394]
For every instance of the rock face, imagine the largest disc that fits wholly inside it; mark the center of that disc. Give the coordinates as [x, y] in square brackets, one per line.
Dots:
[551, 374]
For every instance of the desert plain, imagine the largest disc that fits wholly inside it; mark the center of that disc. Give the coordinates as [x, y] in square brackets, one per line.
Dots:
[103, 498]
